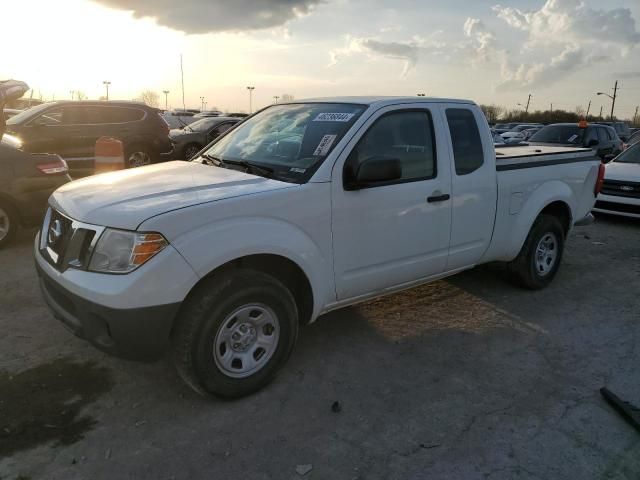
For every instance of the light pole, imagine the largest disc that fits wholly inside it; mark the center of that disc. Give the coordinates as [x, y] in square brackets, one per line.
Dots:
[166, 98]
[275, 98]
[635, 115]
[201, 103]
[600, 116]
[251, 89]
[613, 98]
[106, 84]
[588, 108]
[72, 92]
[422, 94]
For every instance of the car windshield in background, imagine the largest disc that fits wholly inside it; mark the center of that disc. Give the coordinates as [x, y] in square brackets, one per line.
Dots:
[292, 140]
[563, 134]
[631, 155]
[26, 114]
[203, 125]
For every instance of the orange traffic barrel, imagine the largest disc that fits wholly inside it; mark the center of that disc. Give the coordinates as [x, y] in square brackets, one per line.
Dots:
[109, 155]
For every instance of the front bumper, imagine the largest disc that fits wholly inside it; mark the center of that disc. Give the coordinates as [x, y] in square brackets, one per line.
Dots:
[618, 205]
[108, 310]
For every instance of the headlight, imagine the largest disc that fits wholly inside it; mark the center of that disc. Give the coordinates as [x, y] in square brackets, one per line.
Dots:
[119, 251]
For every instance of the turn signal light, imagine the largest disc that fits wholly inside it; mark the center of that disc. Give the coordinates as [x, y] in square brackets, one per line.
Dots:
[147, 247]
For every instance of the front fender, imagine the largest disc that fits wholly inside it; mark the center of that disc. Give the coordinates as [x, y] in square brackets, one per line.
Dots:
[213, 245]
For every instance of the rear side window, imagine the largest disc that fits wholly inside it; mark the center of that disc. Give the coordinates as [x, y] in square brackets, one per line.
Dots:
[603, 135]
[468, 154]
[122, 114]
[407, 136]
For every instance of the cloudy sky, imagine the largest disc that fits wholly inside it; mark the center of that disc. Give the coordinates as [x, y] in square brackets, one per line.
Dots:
[499, 51]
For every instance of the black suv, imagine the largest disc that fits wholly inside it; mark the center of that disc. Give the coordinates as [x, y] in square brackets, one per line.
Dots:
[601, 138]
[70, 129]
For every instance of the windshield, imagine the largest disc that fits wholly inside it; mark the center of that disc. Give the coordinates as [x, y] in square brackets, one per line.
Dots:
[293, 140]
[27, 114]
[562, 134]
[631, 155]
[203, 125]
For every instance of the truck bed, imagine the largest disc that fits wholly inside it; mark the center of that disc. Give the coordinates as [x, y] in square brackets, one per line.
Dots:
[526, 156]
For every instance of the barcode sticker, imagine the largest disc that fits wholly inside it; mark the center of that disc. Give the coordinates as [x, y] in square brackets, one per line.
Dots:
[324, 146]
[334, 117]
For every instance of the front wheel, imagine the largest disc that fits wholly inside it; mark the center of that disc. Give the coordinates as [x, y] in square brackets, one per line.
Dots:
[539, 259]
[8, 223]
[234, 333]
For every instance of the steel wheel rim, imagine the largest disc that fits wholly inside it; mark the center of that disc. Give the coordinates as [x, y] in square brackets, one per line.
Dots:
[139, 159]
[246, 340]
[546, 254]
[5, 224]
[190, 153]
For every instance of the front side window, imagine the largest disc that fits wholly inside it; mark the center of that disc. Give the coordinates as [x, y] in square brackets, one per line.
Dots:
[468, 153]
[50, 117]
[406, 136]
[291, 140]
[561, 134]
[602, 135]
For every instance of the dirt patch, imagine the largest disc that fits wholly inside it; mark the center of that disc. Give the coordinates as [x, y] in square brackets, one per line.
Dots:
[43, 404]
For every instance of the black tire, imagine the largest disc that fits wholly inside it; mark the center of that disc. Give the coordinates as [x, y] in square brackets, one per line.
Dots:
[205, 314]
[525, 269]
[190, 150]
[138, 155]
[9, 222]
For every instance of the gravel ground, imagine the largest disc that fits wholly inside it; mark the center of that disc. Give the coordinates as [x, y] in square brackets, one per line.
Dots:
[468, 378]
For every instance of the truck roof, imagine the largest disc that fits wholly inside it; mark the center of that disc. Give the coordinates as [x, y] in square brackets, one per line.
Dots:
[381, 101]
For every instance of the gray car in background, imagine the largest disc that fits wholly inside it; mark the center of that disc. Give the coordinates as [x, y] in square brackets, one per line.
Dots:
[192, 138]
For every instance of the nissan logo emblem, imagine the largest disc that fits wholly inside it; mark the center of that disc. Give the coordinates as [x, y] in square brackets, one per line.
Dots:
[55, 232]
[626, 188]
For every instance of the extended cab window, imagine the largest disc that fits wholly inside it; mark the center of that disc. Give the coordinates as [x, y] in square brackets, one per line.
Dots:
[406, 136]
[468, 154]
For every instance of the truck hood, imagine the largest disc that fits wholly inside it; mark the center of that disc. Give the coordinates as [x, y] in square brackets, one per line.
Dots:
[126, 198]
[629, 172]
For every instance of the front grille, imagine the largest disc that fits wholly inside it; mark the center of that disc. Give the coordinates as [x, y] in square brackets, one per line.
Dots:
[618, 207]
[619, 188]
[65, 242]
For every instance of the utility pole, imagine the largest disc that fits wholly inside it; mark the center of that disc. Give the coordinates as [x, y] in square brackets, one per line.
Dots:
[552, 108]
[166, 98]
[600, 116]
[251, 89]
[106, 84]
[526, 110]
[275, 98]
[72, 92]
[613, 98]
[635, 115]
[588, 108]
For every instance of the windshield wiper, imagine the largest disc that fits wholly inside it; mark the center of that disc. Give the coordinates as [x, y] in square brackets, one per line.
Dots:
[250, 166]
[211, 160]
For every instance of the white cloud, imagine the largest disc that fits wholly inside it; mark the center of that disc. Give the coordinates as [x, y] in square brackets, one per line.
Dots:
[572, 21]
[409, 52]
[203, 16]
[483, 40]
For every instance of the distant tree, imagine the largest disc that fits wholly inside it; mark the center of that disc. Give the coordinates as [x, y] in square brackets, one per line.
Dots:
[80, 95]
[150, 98]
[287, 97]
[492, 112]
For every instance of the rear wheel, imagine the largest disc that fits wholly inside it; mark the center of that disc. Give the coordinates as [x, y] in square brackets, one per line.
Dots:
[234, 333]
[539, 259]
[138, 156]
[8, 223]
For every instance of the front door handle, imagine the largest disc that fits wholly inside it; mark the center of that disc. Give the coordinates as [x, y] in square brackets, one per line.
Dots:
[438, 198]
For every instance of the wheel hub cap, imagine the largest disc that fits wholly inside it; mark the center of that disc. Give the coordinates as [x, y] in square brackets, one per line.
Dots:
[246, 340]
[546, 254]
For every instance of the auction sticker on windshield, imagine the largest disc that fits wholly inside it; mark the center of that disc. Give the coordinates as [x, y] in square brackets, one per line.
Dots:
[334, 117]
[324, 146]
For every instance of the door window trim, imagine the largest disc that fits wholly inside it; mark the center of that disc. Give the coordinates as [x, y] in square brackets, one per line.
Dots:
[434, 150]
[144, 117]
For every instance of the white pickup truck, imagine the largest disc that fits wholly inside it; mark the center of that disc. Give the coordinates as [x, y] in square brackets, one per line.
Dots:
[301, 209]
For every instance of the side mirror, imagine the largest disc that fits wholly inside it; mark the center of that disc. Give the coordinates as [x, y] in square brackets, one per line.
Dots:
[375, 170]
[592, 143]
[608, 158]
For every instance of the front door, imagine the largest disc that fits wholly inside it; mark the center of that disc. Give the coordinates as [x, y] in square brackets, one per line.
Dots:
[398, 232]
